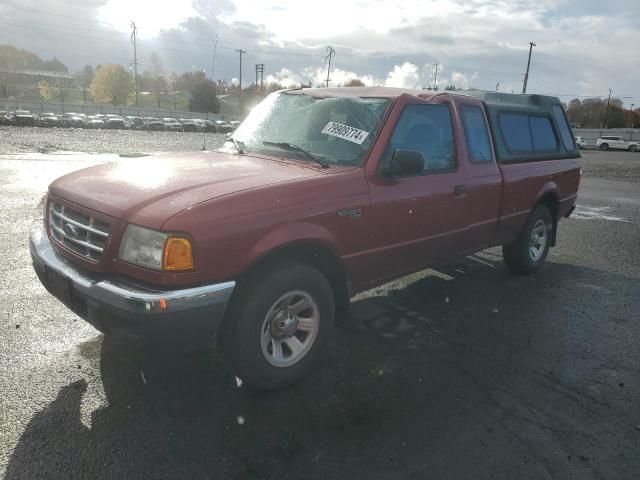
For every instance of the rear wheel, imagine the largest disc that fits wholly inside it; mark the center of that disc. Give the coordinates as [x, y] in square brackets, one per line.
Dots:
[633, 148]
[280, 323]
[528, 253]
[604, 146]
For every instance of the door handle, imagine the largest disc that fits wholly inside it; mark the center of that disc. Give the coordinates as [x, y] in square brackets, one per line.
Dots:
[459, 190]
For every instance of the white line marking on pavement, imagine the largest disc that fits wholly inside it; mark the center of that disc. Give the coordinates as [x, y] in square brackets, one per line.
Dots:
[595, 213]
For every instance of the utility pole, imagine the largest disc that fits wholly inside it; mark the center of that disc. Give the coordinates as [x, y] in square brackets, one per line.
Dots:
[261, 75]
[632, 116]
[135, 58]
[526, 75]
[240, 51]
[606, 111]
[259, 70]
[435, 79]
[331, 53]
[213, 63]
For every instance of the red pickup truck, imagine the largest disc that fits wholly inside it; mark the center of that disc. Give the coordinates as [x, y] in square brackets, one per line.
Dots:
[319, 194]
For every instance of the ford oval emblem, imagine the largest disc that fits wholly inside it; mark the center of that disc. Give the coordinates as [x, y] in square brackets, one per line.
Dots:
[71, 230]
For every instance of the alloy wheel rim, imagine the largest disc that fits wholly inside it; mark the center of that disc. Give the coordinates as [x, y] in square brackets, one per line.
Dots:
[538, 240]
[289, 329]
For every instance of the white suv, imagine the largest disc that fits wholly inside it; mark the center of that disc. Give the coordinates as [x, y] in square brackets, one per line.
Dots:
[619, 143]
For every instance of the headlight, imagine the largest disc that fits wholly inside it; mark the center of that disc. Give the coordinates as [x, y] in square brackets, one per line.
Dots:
[156, 250]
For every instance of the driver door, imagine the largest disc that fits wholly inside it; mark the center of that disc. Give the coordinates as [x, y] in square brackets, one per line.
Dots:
[419, 219]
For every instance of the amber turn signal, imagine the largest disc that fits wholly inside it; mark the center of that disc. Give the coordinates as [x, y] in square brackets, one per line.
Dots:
[178, 254]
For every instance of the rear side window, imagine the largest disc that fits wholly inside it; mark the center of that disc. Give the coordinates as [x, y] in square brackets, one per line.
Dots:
[544, 140]
[523, 133]
[475, 129]
[516, 133]
[563, 127]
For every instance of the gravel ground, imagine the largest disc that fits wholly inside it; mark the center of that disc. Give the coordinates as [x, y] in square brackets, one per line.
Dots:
[467, 372]
[612, 165]
[48, 140]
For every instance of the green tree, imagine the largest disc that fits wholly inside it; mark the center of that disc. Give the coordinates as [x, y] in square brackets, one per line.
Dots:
[153, 79]
[112, 84]
[203, 98]
[84, 78]
[354, 82]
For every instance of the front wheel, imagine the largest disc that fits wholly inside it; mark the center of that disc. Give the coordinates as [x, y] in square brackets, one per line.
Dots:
[279, 325]
[529, 251]
[633, 148]
[604, 147]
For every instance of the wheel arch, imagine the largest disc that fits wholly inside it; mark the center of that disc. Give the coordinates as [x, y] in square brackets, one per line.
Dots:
[549, 198]
[317, 250]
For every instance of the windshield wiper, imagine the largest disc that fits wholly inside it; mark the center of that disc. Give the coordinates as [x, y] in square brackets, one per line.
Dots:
[238, 144]
[296, 148]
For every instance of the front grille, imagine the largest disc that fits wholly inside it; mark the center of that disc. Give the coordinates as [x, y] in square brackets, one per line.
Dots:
[78, 232]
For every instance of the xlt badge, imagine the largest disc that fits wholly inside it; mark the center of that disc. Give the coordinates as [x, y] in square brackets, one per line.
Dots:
[350, 213]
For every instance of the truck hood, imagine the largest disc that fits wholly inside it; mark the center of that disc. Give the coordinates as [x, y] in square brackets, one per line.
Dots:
[149, 190]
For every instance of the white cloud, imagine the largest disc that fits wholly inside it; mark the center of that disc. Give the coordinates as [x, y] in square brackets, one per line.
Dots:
[405, 76]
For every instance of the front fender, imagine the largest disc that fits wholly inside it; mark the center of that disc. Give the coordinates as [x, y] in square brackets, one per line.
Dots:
[290, 234]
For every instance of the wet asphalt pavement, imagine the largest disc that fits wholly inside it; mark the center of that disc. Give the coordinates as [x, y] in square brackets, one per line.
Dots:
[464, 372]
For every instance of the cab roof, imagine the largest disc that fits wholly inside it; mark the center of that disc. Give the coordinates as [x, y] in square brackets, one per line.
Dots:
[364, 92]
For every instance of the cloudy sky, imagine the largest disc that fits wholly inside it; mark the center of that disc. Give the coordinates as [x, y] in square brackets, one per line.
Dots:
[584, 47]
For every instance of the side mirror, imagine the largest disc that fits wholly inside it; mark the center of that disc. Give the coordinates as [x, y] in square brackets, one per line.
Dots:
[406, 163]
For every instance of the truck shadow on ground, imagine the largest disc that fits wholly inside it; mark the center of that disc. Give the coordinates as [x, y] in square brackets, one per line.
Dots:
[467, 372]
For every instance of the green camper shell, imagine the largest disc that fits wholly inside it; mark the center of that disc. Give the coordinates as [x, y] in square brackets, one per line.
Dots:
[527, 127]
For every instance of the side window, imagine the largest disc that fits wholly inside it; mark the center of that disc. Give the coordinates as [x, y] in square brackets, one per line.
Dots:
[427, 129]
[524, 133]
[563, 127]
[516, 133]
[475, 129]
[544, 140]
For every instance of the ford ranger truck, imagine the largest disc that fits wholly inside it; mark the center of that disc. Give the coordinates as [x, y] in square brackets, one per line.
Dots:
[319, 194]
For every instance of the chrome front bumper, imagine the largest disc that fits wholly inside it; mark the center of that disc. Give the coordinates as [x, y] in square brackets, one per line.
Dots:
[120, 295]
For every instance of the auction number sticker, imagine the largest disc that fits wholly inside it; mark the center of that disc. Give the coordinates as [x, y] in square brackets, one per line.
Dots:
[345, 132]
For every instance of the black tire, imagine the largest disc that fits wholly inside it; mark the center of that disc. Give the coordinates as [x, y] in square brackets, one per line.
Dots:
[243, 326]
[604, 147]
[518, 255]
[633, 148]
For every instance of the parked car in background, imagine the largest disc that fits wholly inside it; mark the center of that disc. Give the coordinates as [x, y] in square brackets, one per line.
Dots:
[210, 126]
[235, 124]
[47, 120]
[95, 121]
[133, 123]
[617, 143]
[188, 125]
[75, 120]
[5, 118]
[153, 124]
[580, 142]
[115, 122]
[23, 118]
[200, 123]
[223, 127]
[172, 125]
